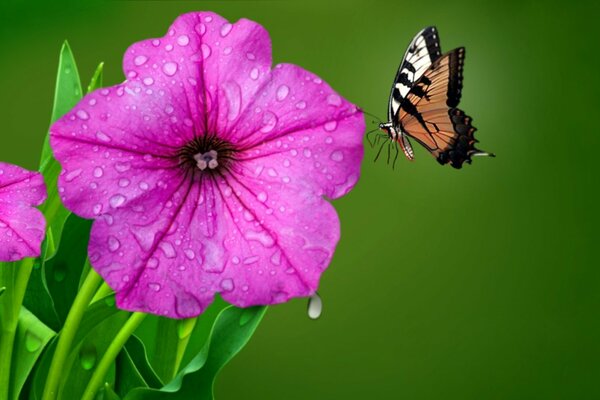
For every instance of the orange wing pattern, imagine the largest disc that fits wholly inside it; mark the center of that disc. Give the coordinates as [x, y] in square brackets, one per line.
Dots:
[429, 114]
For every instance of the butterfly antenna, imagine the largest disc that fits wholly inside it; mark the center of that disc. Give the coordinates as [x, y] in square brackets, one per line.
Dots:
[370, 115]
[379, 152]
[368, 137]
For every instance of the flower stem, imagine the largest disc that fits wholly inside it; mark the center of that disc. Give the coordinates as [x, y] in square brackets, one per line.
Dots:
[111, 354]
[13, 278]
[67, 334]
[172, 337]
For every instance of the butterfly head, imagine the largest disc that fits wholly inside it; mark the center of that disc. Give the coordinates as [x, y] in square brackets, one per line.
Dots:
[388, 129]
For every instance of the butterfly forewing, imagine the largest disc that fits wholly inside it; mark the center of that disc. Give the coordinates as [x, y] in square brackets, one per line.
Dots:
[421, 53]
[429, 114]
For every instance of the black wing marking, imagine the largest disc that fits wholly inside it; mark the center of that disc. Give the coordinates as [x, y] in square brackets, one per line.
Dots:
[421, 53]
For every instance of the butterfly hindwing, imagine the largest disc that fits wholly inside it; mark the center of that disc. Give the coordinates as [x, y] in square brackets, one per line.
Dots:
[429, 112]
[421, 53]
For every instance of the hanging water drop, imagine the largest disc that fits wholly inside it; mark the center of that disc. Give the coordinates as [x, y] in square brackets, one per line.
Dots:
[32, 342]
[315, 306]
[88, 356]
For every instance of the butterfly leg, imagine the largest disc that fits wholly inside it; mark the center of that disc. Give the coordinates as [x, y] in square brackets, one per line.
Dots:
[395, 157]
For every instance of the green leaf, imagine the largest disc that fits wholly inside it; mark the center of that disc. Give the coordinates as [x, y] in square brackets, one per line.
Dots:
[128, 375]
[96, 315]
[63, 271]
[31, 339]
[232, 330]
[66, 96]
[107, 393]
[96, 81]
[37, 297]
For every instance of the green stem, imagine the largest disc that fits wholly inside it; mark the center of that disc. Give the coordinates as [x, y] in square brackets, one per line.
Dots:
[13, 278]
[67, 334]
[111, 354]
[104, 291]
[172, 337]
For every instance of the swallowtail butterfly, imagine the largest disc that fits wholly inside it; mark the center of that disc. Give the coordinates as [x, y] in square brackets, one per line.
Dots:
[423, 103]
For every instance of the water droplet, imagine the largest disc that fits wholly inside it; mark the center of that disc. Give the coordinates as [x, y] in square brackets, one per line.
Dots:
[152, 263]
[98, 172]
[73, 174]
[315, 306]
[97, 209]
[262, 197]
[307, 153]
[269, 122]
[254, 73]
[154, 286]
[140, 60]
[276, 258]
[168, 249]
[32, 342]
[225, 29]
[227, 285]
[233, 92]
[282, 92]
[122, 166]
[227, 50]
[88, 356]
[206, 50]
[60, 272]
[301, 105]
[201, 29]
[117, 200]
[337, 156]
[185, 327]
[148, 81]
[113, 243]
[328, 140]
[170, 68]
[82, 114]
[262, 237]
[247, 314]
[110, 300]
[183, 40]
[189, 253]
[331, 126]
[250, 56]
[124, 182]
[103, 137]
[334, 100]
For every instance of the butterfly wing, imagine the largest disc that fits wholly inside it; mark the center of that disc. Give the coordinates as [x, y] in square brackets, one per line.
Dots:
[421, 53]
[429, 112]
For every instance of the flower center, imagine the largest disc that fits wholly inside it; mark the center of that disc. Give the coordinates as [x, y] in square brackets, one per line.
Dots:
[206, 154]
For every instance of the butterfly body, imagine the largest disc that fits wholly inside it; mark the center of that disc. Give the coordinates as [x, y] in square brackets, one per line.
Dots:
[423, 103]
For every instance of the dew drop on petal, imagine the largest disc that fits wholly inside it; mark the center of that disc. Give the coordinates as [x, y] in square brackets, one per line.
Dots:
[301, 105]
[82, 114]
[117, 200]
[262, 197]
[262, 237]
[225, 29]
[98, 172]
[152, 263]
[140, 60]
[206, 50]
[73, 174]
[189, 253]
[113, 243]
[315, 306]
[337, 156]
[170, 68]
[282, 92]
[254, 73]
[154, 286]
[201, 29]
[334, 100]
[183, 40]
[168, 249]
[331, 126]
[269, 122]
[148, 81]
[250, 56]
[97, 209]
[233, 92]
[227, 285]
[103, 137]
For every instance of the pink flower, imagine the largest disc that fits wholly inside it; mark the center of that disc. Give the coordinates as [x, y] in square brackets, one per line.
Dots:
[206, 170]
[22, 227]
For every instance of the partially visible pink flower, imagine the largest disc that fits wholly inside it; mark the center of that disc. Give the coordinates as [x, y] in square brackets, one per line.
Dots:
[22, 227]
[206, 170]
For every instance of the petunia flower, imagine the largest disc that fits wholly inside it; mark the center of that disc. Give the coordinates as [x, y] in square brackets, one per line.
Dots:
[207, 171]
[22, 227]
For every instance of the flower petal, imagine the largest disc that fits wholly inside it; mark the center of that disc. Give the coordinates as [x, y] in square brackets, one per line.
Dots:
[22, 227]
[319, 143]
[161, 253]
[280, 238]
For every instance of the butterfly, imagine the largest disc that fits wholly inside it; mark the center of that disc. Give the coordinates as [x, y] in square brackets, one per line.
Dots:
[423, 103]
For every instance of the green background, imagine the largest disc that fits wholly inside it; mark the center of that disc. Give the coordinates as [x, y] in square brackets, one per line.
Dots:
[470, 284]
